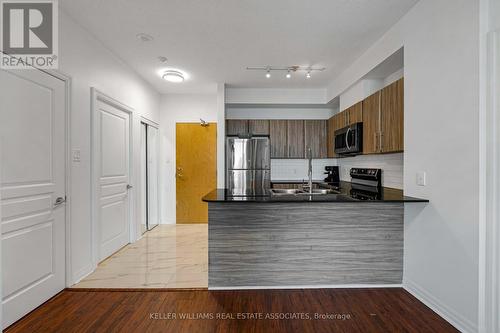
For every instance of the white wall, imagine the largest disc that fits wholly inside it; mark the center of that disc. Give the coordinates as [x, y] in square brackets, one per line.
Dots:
[441, 69]
[178, 108]
[90, 64]
[391, 165]
[284, 112]
[276, 96]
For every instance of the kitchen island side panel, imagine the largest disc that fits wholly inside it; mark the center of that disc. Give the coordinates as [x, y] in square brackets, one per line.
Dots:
[305, 244]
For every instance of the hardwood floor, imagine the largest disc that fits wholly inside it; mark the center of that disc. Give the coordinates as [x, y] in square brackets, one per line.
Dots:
[347, 310]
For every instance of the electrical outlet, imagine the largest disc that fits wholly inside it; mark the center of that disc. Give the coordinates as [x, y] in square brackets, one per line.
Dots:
[421, 181]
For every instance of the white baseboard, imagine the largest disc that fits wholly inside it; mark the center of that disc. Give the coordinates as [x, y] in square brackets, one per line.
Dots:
[448, 314]
[325, 286]
[82, 274]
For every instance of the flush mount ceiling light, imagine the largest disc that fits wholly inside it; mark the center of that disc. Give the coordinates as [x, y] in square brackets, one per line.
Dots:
[173, 76]
[288, 69]
[144, 37]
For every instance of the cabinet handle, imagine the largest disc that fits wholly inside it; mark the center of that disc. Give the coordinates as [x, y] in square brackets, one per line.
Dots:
[375, 141]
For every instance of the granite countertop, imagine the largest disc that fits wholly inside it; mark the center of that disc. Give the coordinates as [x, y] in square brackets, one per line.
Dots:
[345, 192]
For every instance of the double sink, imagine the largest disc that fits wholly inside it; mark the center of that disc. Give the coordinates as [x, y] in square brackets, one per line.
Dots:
[295, 191]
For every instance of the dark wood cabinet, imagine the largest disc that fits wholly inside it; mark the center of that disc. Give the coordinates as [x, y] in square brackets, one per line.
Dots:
[278, 138]
[295, 139]
[236, 126]
[392, 118]
[331, 137]
[315, 137]
[258, 127]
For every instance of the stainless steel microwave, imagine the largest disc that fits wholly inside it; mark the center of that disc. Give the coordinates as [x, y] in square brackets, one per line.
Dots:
[349, 140]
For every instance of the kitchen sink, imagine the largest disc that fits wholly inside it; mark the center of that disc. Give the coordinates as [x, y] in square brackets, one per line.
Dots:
[285, 191]
[294, 191]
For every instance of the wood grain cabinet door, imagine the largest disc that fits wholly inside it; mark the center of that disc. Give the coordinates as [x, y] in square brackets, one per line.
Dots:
[258, 127]
[295, 139]
[278, 138]
[371, 107]
[355, 114]
[331, 137]
[392, 118]
[236, 126]
[315, 136]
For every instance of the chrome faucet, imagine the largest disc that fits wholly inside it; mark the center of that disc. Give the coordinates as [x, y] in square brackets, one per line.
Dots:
[310, 170]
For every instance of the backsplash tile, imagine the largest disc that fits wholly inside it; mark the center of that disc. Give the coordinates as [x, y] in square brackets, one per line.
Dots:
[296, 169]
[391, 164]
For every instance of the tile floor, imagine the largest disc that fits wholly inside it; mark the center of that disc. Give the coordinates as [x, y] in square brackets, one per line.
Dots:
[169, 256]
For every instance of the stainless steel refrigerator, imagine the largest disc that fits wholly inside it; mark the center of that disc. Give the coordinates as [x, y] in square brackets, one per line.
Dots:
[248, 165]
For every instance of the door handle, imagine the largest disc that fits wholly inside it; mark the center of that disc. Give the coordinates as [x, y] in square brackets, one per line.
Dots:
[59, 201]
[347, 139]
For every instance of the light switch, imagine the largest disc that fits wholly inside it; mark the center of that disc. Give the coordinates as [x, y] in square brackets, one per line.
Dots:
[76, 155]
[421, 181]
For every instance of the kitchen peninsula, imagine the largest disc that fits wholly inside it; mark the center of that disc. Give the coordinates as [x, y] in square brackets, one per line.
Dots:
[306, 240]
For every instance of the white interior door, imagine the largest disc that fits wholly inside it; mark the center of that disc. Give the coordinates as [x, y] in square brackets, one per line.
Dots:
[153, 212]
[144, 179]
[32, 126]
[112, 155]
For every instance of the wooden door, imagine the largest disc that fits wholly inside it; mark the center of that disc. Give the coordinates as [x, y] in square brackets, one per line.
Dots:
[196, 170]
[258, 127]
[278, 138]
[371, 124]
[295, 139]
[32, 132]
[331, 137]
[355, 114]
[315, 136]
[236, 126]
[392, 118]
[111, 131]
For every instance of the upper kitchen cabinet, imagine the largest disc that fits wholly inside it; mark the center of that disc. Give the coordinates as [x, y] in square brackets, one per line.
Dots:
[278, 138]
[354, 114]
[295, 139]
[383, 115]
[371, 125]
[331, 137]
[258, 127]
[236, 126]
[392, 117]
[315, 137]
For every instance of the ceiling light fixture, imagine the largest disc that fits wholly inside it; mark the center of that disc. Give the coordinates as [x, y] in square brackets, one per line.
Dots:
[144, 37]
[173, 76]
[289, 70]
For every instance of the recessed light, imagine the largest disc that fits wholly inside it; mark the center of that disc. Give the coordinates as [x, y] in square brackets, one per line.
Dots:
[144, 37]
[173, 76]
[288, 74]
[268, 74]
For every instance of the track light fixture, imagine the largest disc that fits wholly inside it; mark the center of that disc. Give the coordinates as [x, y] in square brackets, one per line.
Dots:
[289, 70]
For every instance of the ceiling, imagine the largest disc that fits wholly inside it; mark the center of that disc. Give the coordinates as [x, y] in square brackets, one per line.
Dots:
[215, 40]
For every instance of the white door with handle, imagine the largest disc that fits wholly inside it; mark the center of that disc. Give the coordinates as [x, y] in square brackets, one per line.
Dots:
[112, 170]
[32, 184]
